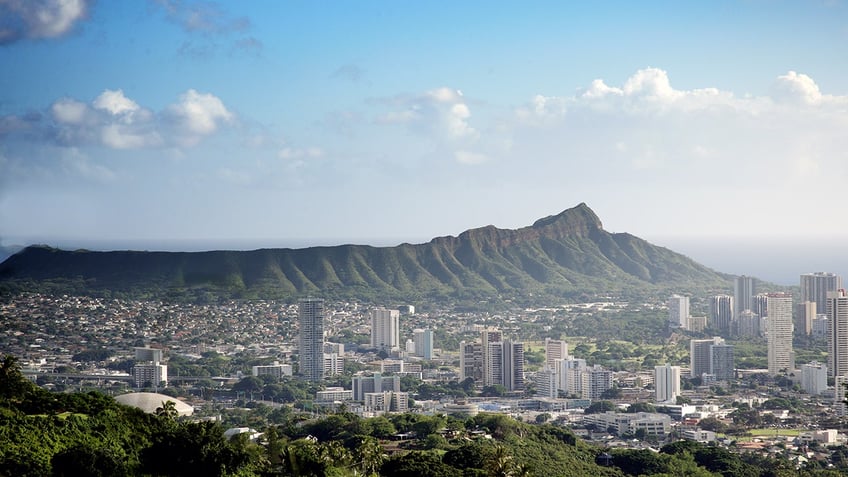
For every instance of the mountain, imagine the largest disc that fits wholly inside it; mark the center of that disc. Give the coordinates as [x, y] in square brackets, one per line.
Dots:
[564, 255]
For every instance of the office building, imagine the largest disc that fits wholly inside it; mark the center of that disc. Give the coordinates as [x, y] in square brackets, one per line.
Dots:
[667, 383]
[744, 290]
[722, 362]
[385, 329]
[837, 336]
[721, 314]
[311, 339]
[814, 378]
[471, 361]
[387, 401]
[148, 375]
[547, 383]
[376, 383]
[554, 350]
[815, 286]
[678, 311]
[781, 357]
[700, 356]
[805, 313]
[423, 340]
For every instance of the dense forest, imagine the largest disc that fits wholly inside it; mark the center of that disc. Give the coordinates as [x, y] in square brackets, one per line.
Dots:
[72, 434]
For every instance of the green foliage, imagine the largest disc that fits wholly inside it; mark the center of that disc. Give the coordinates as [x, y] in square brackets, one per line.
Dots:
[599, 407]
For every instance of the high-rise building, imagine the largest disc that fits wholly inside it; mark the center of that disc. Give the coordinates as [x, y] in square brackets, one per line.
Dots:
[385, 329]
[805, 312]
[150, 375]
[721, 313]
[820, 326]
[678, 311]
[546, 383]
[375, 383]
[837, 336]
[311, 342]
[667, 383]
[596, 381]
[423, 340]
[554, 350]
[815, 286]
[781, 357]
[493, 361]
[760, 304]
[814, 378]
[744, 289]
[748, 325]
[722, 363]
[148, 354]
[700, 357]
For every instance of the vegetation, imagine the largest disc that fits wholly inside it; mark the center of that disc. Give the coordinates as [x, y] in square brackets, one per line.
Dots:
[45, 433]
[564, 256]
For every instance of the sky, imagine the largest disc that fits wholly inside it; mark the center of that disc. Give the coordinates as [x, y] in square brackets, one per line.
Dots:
[156, 124]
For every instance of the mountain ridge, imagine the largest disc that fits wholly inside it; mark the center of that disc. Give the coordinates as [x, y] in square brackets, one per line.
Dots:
[561, 255]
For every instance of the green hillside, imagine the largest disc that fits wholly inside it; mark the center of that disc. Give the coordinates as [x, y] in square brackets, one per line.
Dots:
[565, 255]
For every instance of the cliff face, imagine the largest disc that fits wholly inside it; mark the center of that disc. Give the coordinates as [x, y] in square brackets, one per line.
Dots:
[559, 255]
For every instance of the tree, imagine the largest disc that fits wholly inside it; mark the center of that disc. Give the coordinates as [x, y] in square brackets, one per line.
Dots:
[641, 407]
[599, 407]
[542, 418]
[168, 410]
[496, 390]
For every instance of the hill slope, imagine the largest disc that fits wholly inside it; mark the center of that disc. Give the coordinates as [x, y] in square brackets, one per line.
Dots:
[564, 255]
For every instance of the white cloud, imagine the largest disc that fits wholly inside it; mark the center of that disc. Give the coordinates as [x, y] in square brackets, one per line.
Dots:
[794, 87]
[200, 114]
[115, 103]
[442, 113]
[37, 19]
[69, 111]
[115, 121]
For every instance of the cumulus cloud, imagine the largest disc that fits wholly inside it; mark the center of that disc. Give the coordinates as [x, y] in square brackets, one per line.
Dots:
[39, 19]
[441, 113]
[199, 114]
[115, 121]
[714, 138]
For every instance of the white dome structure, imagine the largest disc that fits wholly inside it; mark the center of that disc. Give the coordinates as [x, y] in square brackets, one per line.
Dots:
[149, 402]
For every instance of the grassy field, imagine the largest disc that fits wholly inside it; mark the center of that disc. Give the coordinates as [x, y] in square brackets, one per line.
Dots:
[775, 432]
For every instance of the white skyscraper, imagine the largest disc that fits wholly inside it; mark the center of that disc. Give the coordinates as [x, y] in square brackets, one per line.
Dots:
[385, 329]
[423, 343]
[837, 334]
[781, 357]
[311, 340]
[814, 378]
[667, 383]
[554, 350]
[678, 311]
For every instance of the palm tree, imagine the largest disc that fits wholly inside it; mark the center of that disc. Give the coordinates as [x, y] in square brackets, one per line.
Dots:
[168, 410]
[501, 463]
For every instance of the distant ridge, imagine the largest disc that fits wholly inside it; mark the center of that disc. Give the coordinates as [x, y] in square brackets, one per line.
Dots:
[564, 255]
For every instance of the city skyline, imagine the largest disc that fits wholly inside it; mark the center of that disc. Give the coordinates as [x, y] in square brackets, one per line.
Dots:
[193, 121]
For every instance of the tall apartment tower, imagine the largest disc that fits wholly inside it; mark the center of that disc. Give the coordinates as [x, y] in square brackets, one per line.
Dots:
[385, 329]
[744, 289]
[815, 286]
[423, 339]
[311, 341]
[837, 333]
[554, 350]
[667, 383]
[721, 313]
[513, 365]
[781, 357]
[805, 313]
[722, 362]
[678, 312]
[490, 344]
[700, 356]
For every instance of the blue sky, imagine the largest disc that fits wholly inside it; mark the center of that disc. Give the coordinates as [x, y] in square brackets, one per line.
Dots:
[280, 123]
